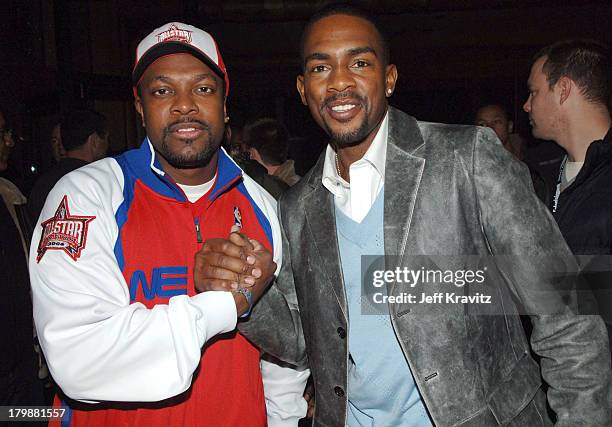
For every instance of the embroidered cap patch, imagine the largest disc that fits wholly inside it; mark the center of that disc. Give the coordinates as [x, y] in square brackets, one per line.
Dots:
[64, 232]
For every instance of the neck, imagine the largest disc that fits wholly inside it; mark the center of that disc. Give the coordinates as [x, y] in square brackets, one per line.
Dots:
[79, 155]
[588, 127]
[348, 154]
[272, 169]
[193, 176]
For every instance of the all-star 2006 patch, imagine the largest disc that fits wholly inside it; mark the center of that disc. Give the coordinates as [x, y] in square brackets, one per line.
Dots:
[64, 232]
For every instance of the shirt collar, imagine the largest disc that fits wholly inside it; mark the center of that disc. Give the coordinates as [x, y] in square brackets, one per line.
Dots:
[376, 155]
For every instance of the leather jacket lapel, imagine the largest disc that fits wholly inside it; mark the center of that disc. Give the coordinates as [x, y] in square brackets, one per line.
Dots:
[320, 215]
[403, 172]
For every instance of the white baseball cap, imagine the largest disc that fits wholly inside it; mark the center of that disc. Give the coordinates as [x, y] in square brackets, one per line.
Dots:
[176, 37]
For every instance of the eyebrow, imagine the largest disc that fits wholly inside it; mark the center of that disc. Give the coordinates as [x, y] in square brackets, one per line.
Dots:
[316, 56]
[166, 79]
[352, 52]
[360, 50]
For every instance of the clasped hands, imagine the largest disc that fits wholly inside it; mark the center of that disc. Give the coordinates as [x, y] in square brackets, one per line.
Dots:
[232, 263]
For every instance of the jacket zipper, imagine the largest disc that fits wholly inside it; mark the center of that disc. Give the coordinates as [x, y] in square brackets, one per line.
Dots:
[196, 221]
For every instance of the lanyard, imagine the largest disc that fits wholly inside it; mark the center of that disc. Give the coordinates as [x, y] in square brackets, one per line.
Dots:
[558, 190]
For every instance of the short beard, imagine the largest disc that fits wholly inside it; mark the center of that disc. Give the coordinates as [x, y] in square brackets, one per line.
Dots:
[352, 137]
[349, 138]
[194, 161]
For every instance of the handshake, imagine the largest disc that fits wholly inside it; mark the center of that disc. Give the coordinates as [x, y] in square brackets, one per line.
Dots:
[236, 264]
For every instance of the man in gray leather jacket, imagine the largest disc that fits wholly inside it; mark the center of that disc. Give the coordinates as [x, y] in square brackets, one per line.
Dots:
[442, 191]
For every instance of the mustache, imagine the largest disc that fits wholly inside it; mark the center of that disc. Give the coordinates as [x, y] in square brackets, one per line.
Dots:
[342, 95]
[187, 120]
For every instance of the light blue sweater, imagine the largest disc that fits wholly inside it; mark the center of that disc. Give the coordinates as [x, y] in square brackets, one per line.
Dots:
[381, 390]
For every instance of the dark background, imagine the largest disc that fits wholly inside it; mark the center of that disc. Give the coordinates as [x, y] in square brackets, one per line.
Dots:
[451, 55]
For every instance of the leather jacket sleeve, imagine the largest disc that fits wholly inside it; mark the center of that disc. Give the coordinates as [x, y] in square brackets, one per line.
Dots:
[575, 357]
[275, 324]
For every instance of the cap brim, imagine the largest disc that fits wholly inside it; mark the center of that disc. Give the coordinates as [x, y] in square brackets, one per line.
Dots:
[168, 48]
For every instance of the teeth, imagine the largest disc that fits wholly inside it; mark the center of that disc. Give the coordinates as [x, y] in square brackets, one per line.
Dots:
[346, 107]
[186, 130]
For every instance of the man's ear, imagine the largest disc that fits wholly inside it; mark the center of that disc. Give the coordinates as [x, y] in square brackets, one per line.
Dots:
[390, 79]
[300, 88]
[139, 109]
[91, 143]
[254, 154]
[565, 86]
[510, 126]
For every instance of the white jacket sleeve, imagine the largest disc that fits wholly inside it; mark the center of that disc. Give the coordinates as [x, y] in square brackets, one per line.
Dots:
[97, 344]
[284, 393]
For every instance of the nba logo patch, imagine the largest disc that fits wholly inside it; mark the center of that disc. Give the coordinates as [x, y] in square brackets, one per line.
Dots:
[64, 232]
[237, 217]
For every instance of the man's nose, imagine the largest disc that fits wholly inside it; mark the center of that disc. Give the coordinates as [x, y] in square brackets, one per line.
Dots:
[527, 105]
[184, 103]
[8, 138]
[341, 79]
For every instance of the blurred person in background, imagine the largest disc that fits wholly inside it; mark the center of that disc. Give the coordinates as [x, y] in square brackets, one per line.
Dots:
[240, 153]
[496, 117]
[268, 143]
[57, 148]
[85, 140]
[19, 383]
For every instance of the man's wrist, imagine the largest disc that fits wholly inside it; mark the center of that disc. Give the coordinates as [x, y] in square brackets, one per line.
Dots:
[244, 301]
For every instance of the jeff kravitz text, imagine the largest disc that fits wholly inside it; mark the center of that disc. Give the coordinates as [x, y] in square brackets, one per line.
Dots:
[435, 298]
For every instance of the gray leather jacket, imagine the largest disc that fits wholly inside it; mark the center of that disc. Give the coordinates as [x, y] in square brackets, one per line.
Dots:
[449, 190]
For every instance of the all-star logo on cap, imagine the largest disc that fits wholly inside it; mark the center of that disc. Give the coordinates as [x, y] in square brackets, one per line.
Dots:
[174, 34]
[64, 232]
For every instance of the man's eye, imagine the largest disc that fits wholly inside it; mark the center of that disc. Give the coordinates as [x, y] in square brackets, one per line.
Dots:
[361, 64]
[205, 89]
[161, 91]
[319, 68]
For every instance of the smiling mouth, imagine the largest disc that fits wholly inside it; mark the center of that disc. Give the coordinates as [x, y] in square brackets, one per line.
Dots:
[343, 108]
[184, 130]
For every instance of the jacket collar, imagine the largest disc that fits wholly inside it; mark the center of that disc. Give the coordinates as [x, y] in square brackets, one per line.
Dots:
[145, 164]
[598, 156]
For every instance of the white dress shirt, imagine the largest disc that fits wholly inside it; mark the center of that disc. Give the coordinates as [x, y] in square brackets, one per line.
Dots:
[367, 176]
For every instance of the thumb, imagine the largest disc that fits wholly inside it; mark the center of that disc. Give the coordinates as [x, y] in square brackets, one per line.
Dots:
[257, 246]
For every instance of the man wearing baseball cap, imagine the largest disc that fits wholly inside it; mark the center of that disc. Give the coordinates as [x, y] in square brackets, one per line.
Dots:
[112, 260]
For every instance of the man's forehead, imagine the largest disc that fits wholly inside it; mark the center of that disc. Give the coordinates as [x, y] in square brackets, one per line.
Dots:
[491, 111]
[537, 68]
[344, 32]
[178, 65]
